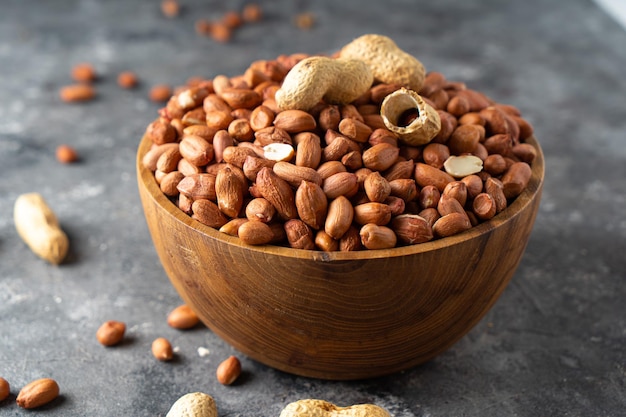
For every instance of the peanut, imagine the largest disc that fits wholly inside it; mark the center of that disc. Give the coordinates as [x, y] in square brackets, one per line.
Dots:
[388, 63]
[182, 317]
[37, 393]
[319, 78]
[195, 404]
[228, 371]
[111, 332]
[320, 408]
[5, 389]
[39, 228]
[162, 349]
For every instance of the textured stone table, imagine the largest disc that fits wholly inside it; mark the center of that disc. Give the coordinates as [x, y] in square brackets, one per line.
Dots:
[553, 345]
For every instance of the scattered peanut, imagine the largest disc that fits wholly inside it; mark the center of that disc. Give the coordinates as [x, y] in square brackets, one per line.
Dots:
[5, 389]
[320, 408]
[127, 79]
[228, 371]
[162, 349]
[84, 73]
[183, 317]
[160, 93]
[77, 93]
[195, 404]
[39, 228]
[111, 332]
[66, 154]
[38, 393]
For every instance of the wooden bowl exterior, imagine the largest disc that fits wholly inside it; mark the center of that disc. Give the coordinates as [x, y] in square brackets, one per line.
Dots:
[339, 315]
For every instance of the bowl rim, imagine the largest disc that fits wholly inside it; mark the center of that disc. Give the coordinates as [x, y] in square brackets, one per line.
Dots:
[146, 178]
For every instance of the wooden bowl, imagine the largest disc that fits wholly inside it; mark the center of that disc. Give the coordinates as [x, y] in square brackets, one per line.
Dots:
[339, 315]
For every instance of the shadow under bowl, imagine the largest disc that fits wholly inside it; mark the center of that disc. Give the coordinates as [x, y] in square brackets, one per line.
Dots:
[340, 315]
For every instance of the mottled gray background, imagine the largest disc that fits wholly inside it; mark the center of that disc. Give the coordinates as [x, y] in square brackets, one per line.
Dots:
[554, 344]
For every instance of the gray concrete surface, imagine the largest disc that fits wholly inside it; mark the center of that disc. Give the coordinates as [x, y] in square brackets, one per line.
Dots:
[553, 345]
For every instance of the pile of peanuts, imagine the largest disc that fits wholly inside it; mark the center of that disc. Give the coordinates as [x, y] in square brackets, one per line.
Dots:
[333, 177]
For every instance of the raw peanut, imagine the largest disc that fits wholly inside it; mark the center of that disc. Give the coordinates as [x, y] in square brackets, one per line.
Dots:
[329, 168]
[251, 13]
[83, 73]
[278, 192]
[240, 130]
[252, 165]
[208, 213]
[472, 118]
[196, 150]
[525, 152]
[232, 227]
[432, 82]
[270, 135]
[411, 229]
[127, 79]
[380, 157]
[237, 155]
[169, 183]
[525, 128]
[376, 187]
[241, 98]
[321, 78]
[37, 393]
[404, 188]
[477, 100]
[382, 90]
[162, 349]
[299, 235]
[474, 185]
[339, 217]
[168, 161]
[495, 189]
[336, 149]
[515, 179]
[261, 117]
[435, 154]
[377, 237]
[341, 183]
[39, 228]
[196, 404]
[182, 317]
[464, 139]
[256, 233]
[500, 143]
[355, 130]
[324, 242]
[484, 206]
[320, 408]
[431, 215]
[228, 371]
[496, 122]
[214, 102]
[458, 106]
[111, 332]
[396, 205]
[448, 124]
[351, 240]
[294, 174]
[151, 157]
[192, 98]
[376, 213]
[5, 389]
[462, 166]
[160, 131]
[221, 140]
[218, 119]
[456, 190]
[205, 132]
[198, 186]
[185, 203]
[259, 209]
[229, 190]
[352, 160]
[382, 135]
[448, 204]
[312, 204]
[388, 63]
[429, 196]
[451, 224]
[66, 154]
[170, 8]
[77, 93]
[428, 175]
[329, 118]
[294, 121]
[494, 164]
[481, 152]
[160, 93]
[400, 170]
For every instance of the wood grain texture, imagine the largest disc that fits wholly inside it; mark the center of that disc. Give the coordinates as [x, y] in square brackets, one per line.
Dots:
[340, 315]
